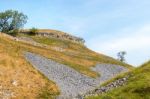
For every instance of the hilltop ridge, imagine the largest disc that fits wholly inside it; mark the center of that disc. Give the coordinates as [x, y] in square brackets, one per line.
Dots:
[55, 34]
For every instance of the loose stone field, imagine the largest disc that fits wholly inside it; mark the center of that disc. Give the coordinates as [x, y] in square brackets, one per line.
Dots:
[70, 82]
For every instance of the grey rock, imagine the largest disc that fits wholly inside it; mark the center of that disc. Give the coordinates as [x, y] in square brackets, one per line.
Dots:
[71, 82]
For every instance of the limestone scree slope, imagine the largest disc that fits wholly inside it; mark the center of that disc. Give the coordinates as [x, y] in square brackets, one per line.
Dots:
[20, 79]
[71, 82]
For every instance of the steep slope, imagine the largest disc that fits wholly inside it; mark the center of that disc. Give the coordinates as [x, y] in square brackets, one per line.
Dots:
[73, 54]
[18, 77]
[137, 86]
[70, 82]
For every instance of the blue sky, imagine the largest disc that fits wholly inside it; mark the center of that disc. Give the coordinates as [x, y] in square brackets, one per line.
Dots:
[108, 26]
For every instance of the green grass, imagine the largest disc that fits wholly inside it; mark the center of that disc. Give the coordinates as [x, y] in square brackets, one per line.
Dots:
[75, 55]
[47, 93]
[51, 41]
[137, 87]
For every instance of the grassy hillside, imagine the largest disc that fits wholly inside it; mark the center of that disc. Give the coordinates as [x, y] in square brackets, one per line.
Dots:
[21, 80]
[17, 77]
[75, 55]
[137, 87]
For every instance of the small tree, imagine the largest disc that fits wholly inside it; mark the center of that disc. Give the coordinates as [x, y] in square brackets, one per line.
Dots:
[121, 56]
[33, 31]
[11, 20]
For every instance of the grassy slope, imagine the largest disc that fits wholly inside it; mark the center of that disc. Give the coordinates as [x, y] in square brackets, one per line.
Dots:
[31, 83]
[137, 87]
[75, 55]
[13, 67]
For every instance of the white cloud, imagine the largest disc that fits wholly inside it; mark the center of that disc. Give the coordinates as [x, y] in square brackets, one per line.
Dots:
[134, 42]
[129, 43]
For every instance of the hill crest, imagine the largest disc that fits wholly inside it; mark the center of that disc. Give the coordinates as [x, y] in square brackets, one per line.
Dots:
[55, 34]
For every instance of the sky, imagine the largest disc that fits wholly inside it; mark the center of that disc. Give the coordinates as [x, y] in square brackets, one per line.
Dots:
[108, 26]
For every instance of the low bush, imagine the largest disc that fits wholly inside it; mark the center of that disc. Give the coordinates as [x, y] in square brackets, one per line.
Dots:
[13, 32]
[33, 31]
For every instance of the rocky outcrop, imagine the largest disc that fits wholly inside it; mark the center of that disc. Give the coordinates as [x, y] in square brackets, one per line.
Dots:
[72, 83]
[63, 37]
[56, 34]
[108, 87]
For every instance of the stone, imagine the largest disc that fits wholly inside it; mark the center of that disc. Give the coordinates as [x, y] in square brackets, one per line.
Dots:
[15, 83]
[71, 82]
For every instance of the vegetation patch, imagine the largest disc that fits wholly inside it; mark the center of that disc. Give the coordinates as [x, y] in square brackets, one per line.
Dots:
[17, 75]
[47, 93]
[137, 87]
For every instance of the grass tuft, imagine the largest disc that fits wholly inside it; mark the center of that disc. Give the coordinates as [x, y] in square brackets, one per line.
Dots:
[137, 87]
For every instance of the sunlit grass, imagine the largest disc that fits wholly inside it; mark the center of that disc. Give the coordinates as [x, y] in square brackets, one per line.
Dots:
[74, 55]
[13, 67]
[31, 83]
[137, 87]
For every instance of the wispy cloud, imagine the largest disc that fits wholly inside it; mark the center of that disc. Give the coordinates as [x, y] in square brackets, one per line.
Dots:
[102, 23]
[132, 40]
[135, 42]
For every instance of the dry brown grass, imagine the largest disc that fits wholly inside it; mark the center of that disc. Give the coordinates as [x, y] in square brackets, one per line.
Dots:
[31, 83]
[13, 67]
[75, 55]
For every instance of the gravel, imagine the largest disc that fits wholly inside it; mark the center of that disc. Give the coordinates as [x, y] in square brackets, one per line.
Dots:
[70, 82]
[103, 89]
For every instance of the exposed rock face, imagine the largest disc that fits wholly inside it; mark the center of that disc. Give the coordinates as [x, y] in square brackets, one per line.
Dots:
[72, 83]
[63, 37]
[56, 34]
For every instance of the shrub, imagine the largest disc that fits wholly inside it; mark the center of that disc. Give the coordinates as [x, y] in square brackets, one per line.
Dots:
[33, 31]
[13, 32]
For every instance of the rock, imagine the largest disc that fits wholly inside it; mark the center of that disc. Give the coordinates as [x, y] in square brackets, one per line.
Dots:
[71, 82]
[7, 94]
[15, 83]
[124, 79]
[58, 49]
[110, 86]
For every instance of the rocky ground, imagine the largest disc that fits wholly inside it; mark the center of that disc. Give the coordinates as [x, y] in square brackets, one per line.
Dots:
[70, 82]
[103, 89]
